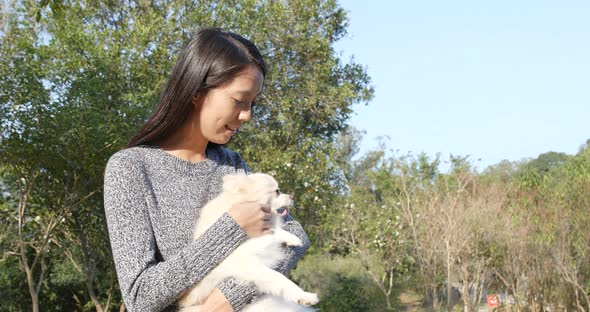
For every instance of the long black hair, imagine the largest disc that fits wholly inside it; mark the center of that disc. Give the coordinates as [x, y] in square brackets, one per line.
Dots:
[211, 58]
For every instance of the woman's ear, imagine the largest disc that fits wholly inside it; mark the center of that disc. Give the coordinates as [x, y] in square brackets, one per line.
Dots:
[197, 99]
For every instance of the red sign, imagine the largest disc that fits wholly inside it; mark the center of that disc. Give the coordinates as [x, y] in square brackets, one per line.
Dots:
[492, 301]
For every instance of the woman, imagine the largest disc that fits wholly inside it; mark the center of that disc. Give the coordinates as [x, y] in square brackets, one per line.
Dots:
[154, 188]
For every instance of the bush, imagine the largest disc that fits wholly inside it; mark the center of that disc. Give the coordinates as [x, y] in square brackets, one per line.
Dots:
[345, 294]
[341, 283]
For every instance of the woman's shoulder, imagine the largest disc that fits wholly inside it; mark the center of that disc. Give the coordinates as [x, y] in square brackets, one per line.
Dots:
[127, 157]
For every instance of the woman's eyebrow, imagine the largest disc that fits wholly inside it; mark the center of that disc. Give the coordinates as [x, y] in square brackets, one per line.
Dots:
[248, 93]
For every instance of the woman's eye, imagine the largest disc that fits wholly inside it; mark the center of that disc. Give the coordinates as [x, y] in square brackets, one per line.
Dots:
[244, 103]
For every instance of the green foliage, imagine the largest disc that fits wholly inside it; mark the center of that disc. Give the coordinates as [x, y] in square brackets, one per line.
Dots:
[549, 201]
[78, 78]
[501, 172]
[584, 147]
[307, 100]
[341, 282]
[346, 294]
[546, 161]
[367, 222]
[12, 283]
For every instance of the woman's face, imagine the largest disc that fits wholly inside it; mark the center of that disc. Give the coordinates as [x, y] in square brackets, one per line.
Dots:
[223, 110]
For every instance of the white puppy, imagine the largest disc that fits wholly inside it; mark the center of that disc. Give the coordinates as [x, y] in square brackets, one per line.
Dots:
[252, 261]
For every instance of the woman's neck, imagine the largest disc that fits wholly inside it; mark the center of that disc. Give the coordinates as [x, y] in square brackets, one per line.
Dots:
[185, 144]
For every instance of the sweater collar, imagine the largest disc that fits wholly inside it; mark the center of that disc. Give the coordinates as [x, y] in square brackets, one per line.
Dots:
[185, 166]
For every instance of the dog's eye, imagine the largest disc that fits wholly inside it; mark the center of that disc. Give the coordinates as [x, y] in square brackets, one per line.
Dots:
[278, 192]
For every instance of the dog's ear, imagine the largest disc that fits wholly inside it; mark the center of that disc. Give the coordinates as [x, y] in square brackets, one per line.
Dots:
[235, 183]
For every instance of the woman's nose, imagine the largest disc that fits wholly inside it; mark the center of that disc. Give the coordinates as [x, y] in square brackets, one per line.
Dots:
[245, 115]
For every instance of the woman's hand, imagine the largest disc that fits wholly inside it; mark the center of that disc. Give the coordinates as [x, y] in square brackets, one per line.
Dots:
[216, 302]
[254, 218]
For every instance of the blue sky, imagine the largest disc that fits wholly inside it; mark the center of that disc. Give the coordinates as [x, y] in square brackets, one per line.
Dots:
[491, 79]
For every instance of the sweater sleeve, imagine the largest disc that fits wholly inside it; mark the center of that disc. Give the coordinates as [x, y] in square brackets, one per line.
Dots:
[147, 283]
[240, 294]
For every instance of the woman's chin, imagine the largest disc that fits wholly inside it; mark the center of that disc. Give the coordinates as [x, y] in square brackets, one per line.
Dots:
[220, 141]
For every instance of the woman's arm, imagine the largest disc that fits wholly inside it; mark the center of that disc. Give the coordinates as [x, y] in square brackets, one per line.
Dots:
[147, 283]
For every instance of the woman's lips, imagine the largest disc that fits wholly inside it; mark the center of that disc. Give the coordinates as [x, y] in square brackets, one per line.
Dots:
[231, 129]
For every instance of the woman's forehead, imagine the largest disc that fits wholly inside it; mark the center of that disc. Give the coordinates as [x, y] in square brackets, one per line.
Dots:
[247, 82]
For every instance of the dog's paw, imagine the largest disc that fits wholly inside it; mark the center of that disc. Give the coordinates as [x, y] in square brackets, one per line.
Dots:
[308, 299]
[293, 242]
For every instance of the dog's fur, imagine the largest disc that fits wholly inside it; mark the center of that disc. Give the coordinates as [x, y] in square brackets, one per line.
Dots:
[252, 261]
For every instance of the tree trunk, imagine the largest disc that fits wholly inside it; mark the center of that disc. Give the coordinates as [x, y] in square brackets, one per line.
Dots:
[435, 303]
[34, 300]
[388, 301]
[89, 273]
[32, 292]
[21, 243]
[465, 295]
[93, 296]
[449, 288]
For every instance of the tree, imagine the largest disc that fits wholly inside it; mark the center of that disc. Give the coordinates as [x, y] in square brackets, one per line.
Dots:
[307, 100]
[79, 77]
[363, 223]
[584, 146]
[503, 171]
[549, 234]
[546, 161]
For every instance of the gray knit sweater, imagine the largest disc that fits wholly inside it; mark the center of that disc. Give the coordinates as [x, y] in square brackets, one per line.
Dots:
[152, 201]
